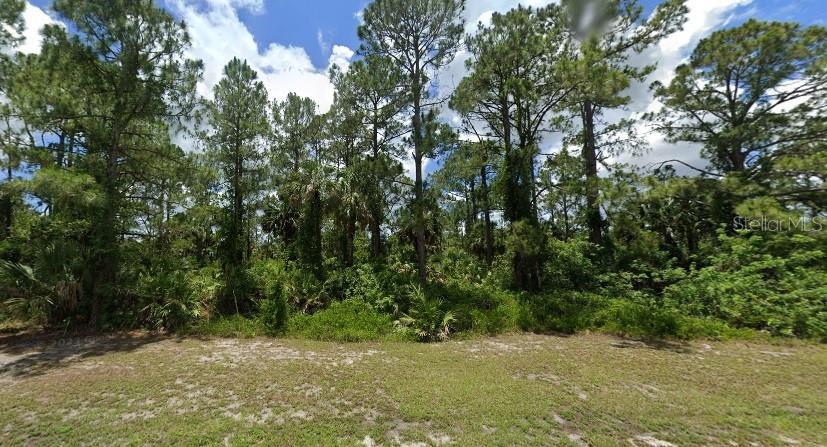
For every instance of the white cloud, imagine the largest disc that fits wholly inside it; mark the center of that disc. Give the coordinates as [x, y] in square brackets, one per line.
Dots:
[218, 35]
[704, 17]
[34, 19]
[324, 45]
[340, 56]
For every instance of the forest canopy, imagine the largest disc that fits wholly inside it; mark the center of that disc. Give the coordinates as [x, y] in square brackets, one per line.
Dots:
[287, 219]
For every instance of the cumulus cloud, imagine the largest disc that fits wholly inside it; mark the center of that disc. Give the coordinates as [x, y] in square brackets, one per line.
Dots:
[340, 56]
[218, 34]
[34, 19]
[704, 17]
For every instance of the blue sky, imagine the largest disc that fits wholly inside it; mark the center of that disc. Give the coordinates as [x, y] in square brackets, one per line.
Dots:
[292, 43]
[316, 25]
[296, 22]
[301, 22]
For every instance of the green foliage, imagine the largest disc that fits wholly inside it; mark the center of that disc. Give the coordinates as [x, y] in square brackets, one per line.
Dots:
[268, 277]
[229, 326]
[237, 290]
[238, 120]
[345, 321]
[458, 265]
[172, 303]
[22, 294]
[577, 311]
[563, 313]
[742, 121]
[569, 265]
[476, 306]
[11, 21]
[630, 318]
[273, 312]
[205, 285]
[427, 317]
[364, 283]
[768, 282]
[303, 290]
[305, 222]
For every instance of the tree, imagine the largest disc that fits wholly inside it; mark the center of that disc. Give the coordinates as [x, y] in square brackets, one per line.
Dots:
[132, 82]
[374, 88]
[518, 79]
[420, 36]
[346, 143]
[11, 25]
[755, 97]
[11, 22]
[465, 179]
[293, 120]
[239, 127]
[605, 33]
[562, 179]
[298, 160]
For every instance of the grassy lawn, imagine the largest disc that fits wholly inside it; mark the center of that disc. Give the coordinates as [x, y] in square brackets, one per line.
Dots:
[512, 390]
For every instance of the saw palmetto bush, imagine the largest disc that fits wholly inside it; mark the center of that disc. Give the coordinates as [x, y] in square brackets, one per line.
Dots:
[427, 317]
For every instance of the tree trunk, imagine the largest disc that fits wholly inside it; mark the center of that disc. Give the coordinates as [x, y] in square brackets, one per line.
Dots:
[419, 190]
[350, 234]
[376, 215]
[6, 209]
[105, 253]
[238, 251]
[489, 237]
[375, 236]
[593, 217]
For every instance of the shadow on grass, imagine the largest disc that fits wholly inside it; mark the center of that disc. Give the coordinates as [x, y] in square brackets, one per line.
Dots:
[28, 355]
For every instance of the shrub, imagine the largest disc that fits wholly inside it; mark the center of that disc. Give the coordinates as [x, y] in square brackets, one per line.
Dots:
[22, 294]
[478, 308]
[363, 283]
[629, 318]
[268, 277]
[346, 321]
[302, 288]
[568, 266]
[774, 283]
[229, 326]
[172, 304]
[272, 311]
[236, 295]
[205, 286]
[457, 264]
[566, 312]
[427, 318]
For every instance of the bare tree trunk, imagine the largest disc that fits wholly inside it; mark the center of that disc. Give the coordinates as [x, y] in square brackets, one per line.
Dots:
[419, 189]
[375, 236]
[350, 234]
[593, 217]
[6, 209]
[489, 237]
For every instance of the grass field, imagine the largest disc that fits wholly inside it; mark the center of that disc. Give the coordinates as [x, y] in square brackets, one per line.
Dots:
[582, 390]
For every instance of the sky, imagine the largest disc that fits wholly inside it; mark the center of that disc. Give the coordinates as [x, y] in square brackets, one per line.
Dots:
[293, 43]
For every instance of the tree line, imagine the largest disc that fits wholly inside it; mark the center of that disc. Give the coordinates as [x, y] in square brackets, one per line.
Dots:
[284, 210]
